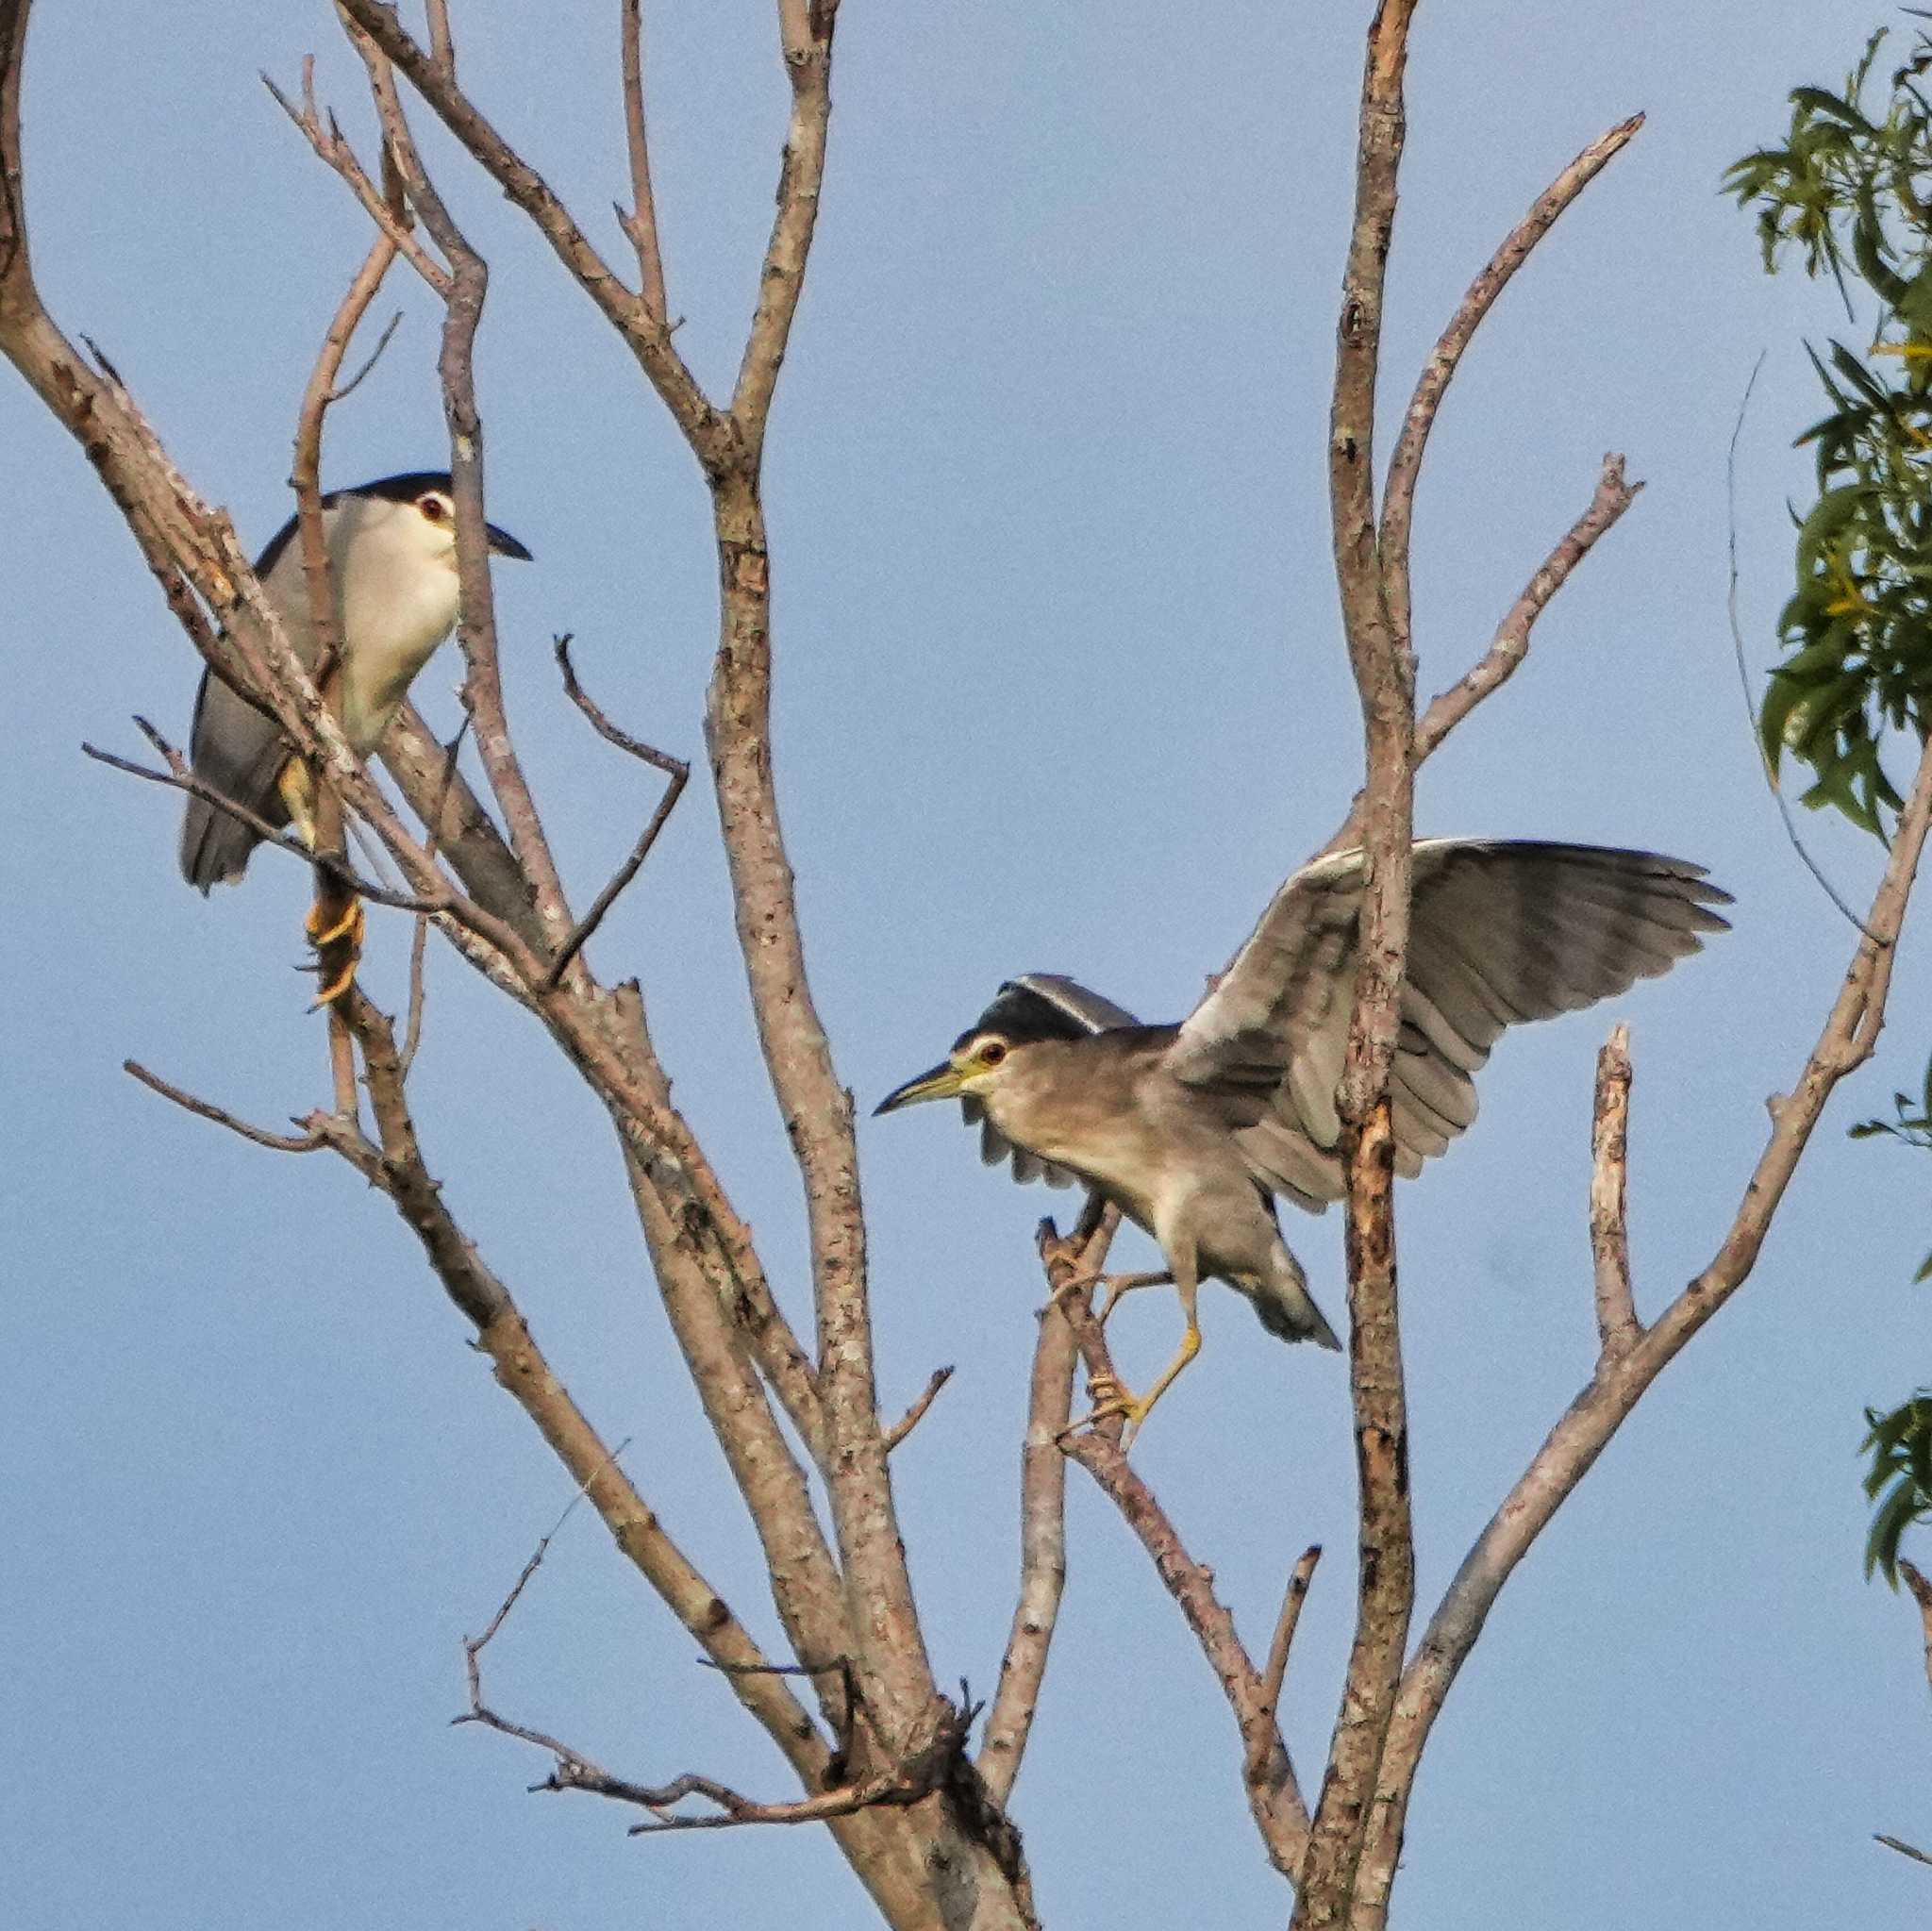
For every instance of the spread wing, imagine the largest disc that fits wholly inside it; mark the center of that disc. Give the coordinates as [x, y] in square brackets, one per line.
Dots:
[1499, 933]
[1038, 1005]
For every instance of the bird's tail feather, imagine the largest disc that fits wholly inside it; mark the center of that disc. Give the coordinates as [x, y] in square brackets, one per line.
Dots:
[1288, 1310]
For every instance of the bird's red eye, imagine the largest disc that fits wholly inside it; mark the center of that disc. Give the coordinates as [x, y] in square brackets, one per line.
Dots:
[433, 507]
[991, 1052]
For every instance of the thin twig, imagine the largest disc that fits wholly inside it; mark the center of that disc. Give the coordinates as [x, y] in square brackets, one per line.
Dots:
[182, 779]
[473, 1646]
[1617, 1326]
[419, 940]
[640, 224]
[610, 733]
[910, 1419]
[1275, 1673]
[1404, 466]
[206, 1109]
[676, 769]
[1904, 1849]
[373, 356]
[334, 151]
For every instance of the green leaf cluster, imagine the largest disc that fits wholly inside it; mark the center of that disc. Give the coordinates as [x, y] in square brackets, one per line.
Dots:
[1899, 1479]
[1850, 189]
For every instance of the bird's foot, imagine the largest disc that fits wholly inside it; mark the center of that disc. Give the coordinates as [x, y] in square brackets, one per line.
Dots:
[1111, 1400]
[335, 931]
[1073, 1284]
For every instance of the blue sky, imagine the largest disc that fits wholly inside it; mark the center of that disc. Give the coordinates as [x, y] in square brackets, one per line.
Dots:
[1061, 687]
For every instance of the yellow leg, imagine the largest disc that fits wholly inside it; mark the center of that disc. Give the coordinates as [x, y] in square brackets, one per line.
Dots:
[339, 950]
[298, 794]
[1110, 1396]
[347, 923]
[335, 924]
[1138, 1411]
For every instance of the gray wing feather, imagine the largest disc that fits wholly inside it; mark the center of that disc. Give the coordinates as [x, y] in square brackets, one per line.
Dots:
[1500, 934]
[238, 748]
[240, 753]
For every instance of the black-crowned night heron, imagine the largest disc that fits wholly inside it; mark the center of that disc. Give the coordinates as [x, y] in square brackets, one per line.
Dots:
[393, 561]
[1190, 1130]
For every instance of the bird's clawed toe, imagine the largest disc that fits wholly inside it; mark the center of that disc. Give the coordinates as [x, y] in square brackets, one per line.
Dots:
[335, 931]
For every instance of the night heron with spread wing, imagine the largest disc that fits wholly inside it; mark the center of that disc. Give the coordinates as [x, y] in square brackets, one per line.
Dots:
[1192, 1129]
[392, 562]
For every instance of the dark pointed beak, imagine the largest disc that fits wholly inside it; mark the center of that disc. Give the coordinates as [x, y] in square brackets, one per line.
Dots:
[940, 1082]
[505, 544]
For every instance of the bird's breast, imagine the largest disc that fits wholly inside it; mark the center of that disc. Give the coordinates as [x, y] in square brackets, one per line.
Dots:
[387, 642]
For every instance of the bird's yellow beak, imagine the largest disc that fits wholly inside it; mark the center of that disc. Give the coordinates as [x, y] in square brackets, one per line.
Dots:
[940, 1083]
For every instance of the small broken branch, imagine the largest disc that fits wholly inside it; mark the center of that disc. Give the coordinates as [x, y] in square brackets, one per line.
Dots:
[910, 1419]
[1904, 1849]
[1275, 1673]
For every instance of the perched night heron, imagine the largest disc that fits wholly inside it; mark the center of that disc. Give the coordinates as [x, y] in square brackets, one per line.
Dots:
[1190, 1130]
[393, 561]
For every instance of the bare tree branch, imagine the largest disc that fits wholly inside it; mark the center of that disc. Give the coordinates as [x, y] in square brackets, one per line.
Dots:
[206, 1109]
[1384, 674]
[1620, 1381]
[1275, 1674]
[1042, 1500]
[477, 630]
[711, 433]
[334, 151]
[640, 224]
[180, 778]
[913, 1417]
[1617, 1325]
[395, 1166]
[1912, 1851]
